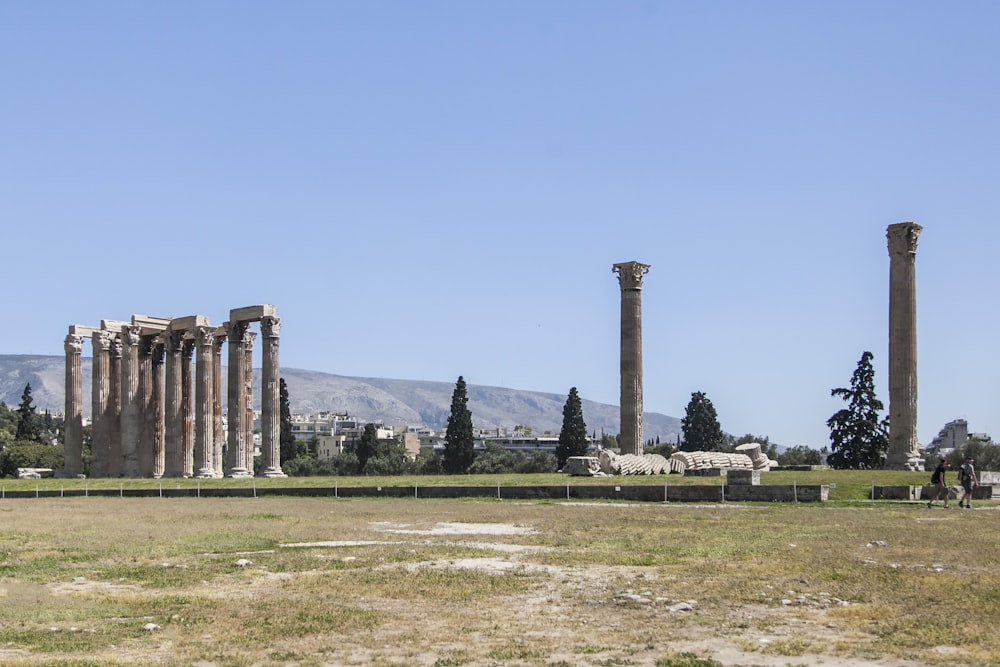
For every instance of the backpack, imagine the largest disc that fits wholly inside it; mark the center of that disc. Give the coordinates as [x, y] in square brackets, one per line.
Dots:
[961, 474]
[936, 477]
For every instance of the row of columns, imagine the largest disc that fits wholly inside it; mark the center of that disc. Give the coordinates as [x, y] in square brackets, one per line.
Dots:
[151, 417]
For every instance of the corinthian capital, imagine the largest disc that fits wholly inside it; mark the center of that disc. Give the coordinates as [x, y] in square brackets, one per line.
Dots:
[102, 340]
[74, 344]
[630, 274]
[903, 238]
[270, 327]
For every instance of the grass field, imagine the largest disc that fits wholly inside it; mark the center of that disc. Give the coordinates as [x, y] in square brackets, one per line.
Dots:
[110, 581]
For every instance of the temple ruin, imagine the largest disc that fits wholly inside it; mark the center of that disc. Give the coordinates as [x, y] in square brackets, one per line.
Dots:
[152, 417]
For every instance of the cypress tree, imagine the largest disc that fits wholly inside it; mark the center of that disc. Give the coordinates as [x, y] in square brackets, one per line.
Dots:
[859, 439]
[573, 435]
[700, 426]
[28, 428]
[286, 439]
[458, 437]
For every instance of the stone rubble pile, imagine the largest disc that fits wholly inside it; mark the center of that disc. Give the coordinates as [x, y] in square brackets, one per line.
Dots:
[681, 462]
[757, 456]
[747, 457]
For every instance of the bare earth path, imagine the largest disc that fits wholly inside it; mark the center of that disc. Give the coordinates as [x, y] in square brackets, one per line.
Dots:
[282, 581]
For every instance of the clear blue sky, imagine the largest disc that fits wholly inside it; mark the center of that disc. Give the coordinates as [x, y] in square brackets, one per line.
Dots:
[434, 189]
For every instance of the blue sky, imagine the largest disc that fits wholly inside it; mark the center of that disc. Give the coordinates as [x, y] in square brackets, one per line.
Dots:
[434, 189]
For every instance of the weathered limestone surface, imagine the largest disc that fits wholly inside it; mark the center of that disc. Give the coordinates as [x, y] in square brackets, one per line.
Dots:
[630, 276]
[154, 415]
[904, 451]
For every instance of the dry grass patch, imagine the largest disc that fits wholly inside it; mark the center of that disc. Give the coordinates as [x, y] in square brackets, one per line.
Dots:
[422, 582]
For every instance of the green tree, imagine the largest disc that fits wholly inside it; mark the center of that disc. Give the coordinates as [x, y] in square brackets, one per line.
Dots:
[700, 426]
[29, 428]
[985, 454]
[800, 455]
[458, 437]
[367, 446]
[859, 439]
[28, 454]
[573, 435]
[290, 447]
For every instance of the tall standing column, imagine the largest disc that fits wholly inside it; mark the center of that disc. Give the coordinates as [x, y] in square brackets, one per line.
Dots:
[630, 280]
[270, 424]
[173, 465]
[187, 409]
[904, 451]
[131, 398]
[218, 437]
[248, 440]
[114, 413]
[73, 435]
[148, 403]
[236, 400]
[158, 409]
[204, 424]
[100, 446]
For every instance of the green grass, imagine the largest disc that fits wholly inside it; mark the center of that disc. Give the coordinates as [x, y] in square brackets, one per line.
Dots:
[79, 576]
[846, 485]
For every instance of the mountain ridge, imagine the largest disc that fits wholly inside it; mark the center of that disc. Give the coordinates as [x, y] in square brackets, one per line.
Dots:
[397, 402]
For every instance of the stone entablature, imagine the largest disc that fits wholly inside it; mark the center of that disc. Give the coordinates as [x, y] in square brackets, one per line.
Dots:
[153, 417]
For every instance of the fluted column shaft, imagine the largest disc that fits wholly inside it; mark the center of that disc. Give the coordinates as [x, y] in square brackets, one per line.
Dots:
[218, 432]
[114, 413]
[131, 399]
[247, 452]
[270, 423]
[187, 408]
[904, 451]
[100, 446]
[73, 433]
[204, 424]
[630, 276]
[157, 408]
[173, 423]
[236, 400]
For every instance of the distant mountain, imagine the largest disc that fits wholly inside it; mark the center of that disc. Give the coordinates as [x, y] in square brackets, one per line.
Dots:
[394, 402]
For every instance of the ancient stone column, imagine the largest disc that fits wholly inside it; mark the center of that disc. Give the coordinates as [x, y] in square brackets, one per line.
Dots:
[236, 401]
[204, 423]
[173, 465]
[187, 408]
[630, 280]
[158, 409]
[114, 413]
[904, 451]
[248, 417]
[131, 401]
[100, 446]
[151, 406]
[270, 421]
[219, 434]
[73, 435]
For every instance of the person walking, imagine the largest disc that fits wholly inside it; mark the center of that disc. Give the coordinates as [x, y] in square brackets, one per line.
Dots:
[940, 487]
[968, 479]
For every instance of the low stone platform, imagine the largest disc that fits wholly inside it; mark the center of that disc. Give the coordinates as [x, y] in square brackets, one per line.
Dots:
[631, 492]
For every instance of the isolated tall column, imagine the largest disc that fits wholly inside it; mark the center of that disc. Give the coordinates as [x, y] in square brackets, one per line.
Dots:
[270, 423]
[904, 450]
[73, 447]
[630, 280]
